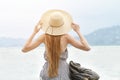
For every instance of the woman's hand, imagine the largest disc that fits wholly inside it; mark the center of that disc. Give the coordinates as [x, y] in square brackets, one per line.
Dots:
[38, 27]
[83, 42]
[75, 27]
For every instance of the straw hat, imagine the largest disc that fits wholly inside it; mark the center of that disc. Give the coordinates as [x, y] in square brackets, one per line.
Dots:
[56, 22]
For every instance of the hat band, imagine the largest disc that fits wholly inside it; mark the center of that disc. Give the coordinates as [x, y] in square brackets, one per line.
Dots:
[54, 27]
[57, 26]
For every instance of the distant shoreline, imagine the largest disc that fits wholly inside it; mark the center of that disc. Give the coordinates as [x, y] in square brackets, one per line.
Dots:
[109, 36]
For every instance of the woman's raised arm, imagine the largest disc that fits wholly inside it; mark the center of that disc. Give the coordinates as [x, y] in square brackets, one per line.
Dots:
[82, 44]
[30, 44]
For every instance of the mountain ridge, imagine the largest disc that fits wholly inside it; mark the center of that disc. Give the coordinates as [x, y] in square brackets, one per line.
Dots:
[103, 36]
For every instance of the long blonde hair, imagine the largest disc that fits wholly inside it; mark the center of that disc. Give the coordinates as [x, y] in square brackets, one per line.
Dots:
[52, 44]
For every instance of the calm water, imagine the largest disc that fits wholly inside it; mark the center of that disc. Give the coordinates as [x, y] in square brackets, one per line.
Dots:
[15, 65]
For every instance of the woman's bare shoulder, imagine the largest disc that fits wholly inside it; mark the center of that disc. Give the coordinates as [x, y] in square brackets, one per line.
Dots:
[67, 36]
[71, 40]
[42, 36]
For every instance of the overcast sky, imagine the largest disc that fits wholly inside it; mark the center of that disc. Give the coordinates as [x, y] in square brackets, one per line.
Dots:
[18, 17]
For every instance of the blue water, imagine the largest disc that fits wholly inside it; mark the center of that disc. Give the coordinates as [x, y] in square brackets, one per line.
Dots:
[15, 65]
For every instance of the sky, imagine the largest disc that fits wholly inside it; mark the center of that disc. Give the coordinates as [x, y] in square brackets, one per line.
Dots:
[19, 17]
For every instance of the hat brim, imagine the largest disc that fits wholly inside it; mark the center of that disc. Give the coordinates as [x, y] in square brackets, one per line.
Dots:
[65, 28]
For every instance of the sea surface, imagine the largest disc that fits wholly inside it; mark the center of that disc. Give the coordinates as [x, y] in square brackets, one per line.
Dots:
[15, 65]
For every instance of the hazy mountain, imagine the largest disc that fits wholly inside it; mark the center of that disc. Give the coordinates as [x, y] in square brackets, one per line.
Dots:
[105, 36]
[11, 42]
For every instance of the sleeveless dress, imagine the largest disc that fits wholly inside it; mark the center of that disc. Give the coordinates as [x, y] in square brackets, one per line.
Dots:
[63, 70]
